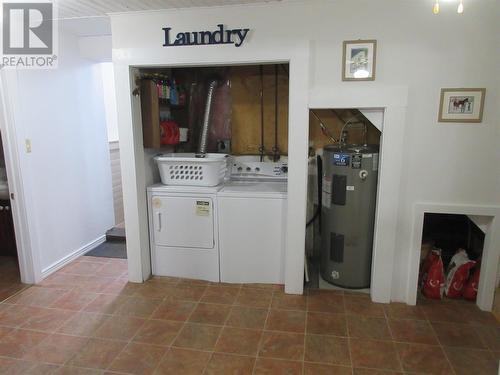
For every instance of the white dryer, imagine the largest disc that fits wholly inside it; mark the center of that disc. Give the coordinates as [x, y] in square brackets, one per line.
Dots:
[184, 231]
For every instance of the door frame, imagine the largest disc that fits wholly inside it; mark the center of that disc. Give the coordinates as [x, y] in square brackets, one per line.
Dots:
[27, 258]
[132, 161]
[491, 251]
[393, 102]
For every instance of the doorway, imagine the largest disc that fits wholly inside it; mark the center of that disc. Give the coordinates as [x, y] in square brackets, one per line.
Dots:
[115, 244]
[136, 180]
[452, 247]
[486, 220]
[344, 148]
[10, 276]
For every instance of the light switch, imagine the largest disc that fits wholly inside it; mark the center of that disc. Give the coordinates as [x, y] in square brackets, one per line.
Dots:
[28, 145]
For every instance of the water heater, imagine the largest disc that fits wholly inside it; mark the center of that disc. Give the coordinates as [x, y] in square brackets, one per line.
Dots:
[348, 214]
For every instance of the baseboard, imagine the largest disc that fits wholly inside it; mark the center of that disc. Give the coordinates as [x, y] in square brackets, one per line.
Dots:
[71, 257]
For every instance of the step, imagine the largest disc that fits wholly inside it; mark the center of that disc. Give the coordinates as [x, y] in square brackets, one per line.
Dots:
[116, 234]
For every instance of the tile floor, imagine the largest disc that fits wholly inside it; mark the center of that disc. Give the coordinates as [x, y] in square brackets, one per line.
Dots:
[86, 319]
[10, 279]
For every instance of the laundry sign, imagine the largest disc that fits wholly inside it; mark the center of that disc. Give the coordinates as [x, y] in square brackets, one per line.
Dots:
[206, 37]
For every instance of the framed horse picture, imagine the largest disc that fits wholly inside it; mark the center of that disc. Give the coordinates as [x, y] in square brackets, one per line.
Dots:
[461, 105]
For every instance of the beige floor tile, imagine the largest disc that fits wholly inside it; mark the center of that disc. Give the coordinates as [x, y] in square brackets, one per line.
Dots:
[369, 327]
[247, 317]
[374, 354]
[460, 335]
[239, 341]
[266, 366]
[97, 353]
[83, 324]
[326, 324]
[208, 313]
[254, 297]
[119, 328]
[158, 332]
[424, 359]
[174, 309]
[197, 336]
[415, 331]
[284, 301]
[220, 294]
[183, 361]
[19, 342]
[327, 349]
[56, 349]
[282, 345]
[87, 319]
[221, 364]
[138, 359]
[322, 369]
[286, 320]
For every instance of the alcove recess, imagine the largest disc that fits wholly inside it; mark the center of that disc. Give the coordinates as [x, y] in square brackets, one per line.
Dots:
[237, 109]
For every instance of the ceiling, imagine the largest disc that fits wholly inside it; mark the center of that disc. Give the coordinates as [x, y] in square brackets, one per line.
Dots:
[93, 8]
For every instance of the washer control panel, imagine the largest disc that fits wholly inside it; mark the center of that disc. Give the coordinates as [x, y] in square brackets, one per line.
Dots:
[242, 167]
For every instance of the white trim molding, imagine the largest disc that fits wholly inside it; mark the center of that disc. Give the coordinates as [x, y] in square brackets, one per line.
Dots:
[29, 262]
[491, 249]
[71, 257]
[132, 152]
[392, 102]
[114, 145]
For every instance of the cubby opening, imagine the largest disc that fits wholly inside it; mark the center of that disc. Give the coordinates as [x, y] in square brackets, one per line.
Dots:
[249, 114]
[336, 192]
[450, 258]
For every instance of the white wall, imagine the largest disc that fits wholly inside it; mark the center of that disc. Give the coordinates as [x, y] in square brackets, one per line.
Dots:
[108, 87]
[95, 48]
[2, 159]
[66, 179]
[455, 164]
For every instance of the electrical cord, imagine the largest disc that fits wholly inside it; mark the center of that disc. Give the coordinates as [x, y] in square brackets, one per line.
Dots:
[319, 166]
[324, 129]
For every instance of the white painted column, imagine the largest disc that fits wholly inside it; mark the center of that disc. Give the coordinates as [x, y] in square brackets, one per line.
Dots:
[133, 177]
[298, 143]
[489, 266]
[19, 180]
[389, 188]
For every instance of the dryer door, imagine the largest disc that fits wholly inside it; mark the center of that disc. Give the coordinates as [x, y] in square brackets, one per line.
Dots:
[183, 222]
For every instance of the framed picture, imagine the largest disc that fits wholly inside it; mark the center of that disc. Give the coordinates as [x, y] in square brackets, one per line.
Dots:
[358, 60]
[461, 105]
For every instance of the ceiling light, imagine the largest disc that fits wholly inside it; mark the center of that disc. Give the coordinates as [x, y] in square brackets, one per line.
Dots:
[460, 8]
[435, 9]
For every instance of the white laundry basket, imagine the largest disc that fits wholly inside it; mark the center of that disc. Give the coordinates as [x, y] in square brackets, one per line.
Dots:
[186, 169]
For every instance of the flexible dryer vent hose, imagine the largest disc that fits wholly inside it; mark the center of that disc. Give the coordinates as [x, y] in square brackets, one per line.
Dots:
[202, 148]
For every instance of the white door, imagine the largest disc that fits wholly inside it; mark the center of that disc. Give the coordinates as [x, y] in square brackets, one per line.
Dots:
[183, 222]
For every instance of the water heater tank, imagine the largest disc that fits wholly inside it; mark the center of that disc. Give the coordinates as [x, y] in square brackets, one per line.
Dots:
[348, 214]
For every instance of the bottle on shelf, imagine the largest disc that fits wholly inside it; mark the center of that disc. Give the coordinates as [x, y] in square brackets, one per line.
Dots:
[181, 94]
[174, 97]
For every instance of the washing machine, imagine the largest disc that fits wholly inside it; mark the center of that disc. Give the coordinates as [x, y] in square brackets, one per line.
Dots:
[184, 231]
[252, 222]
